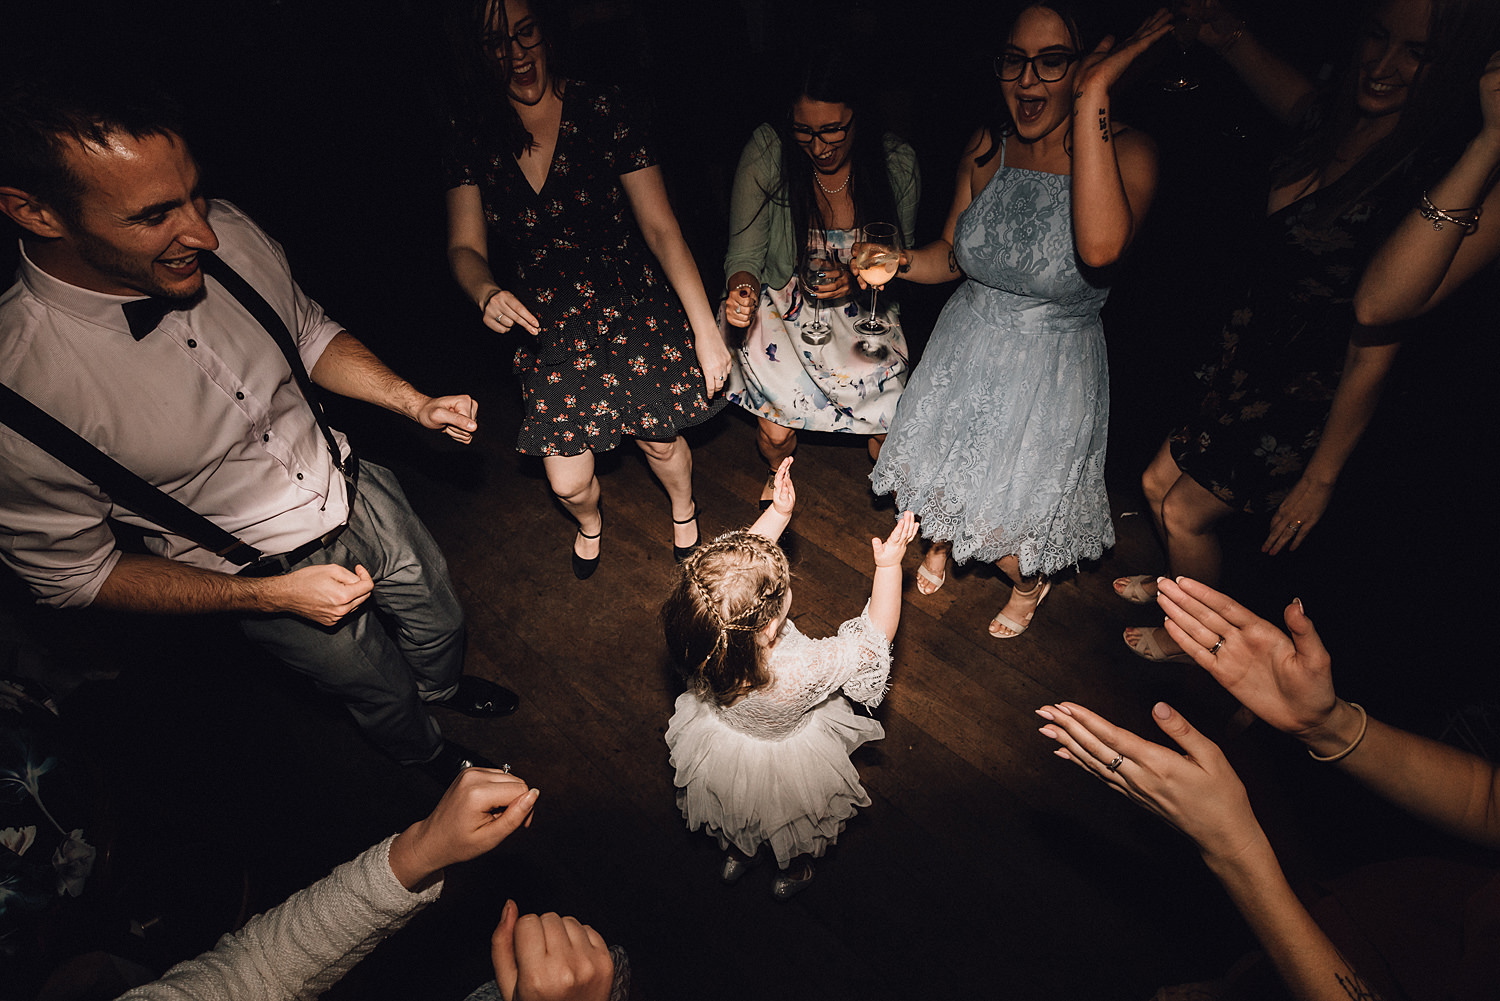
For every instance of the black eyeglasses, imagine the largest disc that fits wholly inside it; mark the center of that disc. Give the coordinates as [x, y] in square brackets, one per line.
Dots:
[831, 135]
[1049, 67]
[528, 36]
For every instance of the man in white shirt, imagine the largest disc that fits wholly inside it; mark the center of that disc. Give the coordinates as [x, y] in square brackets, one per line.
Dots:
[204, 406]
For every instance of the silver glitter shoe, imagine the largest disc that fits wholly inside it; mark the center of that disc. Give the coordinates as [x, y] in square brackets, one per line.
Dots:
[787, 886]
[734, 868]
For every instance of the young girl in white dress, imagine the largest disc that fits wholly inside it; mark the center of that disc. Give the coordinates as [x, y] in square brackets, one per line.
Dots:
[761, 739]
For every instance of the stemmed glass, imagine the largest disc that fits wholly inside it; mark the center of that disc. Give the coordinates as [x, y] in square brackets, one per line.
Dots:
[820, 268]
[877, 260]
[1187, 18]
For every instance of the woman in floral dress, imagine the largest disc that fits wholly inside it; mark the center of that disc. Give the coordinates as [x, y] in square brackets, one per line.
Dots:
[549, 171]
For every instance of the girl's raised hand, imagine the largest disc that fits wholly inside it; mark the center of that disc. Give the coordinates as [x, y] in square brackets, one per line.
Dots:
[784, 495]
[1107, 63]
[890, 552]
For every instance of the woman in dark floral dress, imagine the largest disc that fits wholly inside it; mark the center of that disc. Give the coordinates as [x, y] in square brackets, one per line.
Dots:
[1298, 378]
[549, 172]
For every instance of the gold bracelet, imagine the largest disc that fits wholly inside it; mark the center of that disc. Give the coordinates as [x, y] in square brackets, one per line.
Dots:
[1364, 723]
[1438, 216]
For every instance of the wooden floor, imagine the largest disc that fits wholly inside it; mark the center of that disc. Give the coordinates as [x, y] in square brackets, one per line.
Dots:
[985, 866]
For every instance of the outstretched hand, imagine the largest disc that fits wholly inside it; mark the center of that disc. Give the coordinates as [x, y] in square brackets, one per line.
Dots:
[890, 552]
[1285, 680]
[548, 957]
[1196, 791]
[481, 808]
[783, 494]
[455, 416]
[1103, 67]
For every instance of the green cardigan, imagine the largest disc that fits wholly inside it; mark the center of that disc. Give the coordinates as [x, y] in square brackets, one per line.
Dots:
[761, 240]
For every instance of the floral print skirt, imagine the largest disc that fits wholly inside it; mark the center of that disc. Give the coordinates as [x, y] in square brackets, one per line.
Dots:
[643, 381]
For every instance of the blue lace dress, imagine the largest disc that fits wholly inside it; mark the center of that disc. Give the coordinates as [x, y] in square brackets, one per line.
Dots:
[998, 442]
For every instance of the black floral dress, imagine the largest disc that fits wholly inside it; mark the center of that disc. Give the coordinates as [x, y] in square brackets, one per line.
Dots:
[1283, 349]
[615, 353]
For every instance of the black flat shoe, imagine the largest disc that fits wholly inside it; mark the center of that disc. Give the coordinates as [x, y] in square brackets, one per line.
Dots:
[681, 553]
[481, 699]
[584, 569]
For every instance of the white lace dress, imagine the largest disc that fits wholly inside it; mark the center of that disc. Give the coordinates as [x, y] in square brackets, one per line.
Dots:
[774, 767]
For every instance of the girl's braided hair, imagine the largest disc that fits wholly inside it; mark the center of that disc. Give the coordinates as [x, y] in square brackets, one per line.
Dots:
[728, 592]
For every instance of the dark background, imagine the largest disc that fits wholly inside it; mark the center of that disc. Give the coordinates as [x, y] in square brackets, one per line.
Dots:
[317, 117]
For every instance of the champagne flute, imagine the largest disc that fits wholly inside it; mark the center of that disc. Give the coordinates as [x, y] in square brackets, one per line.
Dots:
[879, 256]
[820, 268]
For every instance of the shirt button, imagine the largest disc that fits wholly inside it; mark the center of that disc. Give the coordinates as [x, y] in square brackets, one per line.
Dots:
[239, 396]
[192, 343]
[265, 437]
[299, 476]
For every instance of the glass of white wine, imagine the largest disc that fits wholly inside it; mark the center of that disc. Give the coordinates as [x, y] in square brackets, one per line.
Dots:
[820, 268]
[876, 263]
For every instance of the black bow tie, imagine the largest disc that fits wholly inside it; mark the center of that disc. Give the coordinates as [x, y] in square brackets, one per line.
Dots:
[144, 315]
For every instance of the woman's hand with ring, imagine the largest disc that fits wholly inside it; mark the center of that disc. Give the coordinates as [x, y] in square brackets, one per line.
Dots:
[1195, 790]
[501, 311]
[1295, 517]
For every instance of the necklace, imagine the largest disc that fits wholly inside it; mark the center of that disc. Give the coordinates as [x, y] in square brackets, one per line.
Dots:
[836, 190]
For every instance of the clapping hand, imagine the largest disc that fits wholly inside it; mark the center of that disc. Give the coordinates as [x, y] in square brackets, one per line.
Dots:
[783, 494]
[1285, 680]
[1103, 67]
[1195, 790]
[890, 552]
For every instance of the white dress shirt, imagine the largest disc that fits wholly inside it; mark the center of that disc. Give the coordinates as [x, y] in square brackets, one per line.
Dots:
[204, 407]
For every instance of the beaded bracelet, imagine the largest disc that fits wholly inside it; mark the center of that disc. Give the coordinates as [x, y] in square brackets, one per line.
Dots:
[746, 286]
[1364, 722]
[1438, 216]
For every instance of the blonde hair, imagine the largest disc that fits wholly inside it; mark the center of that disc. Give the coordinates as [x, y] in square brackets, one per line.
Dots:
[728, 592]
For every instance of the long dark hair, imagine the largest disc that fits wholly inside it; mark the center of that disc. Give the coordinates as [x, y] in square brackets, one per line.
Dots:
[478, 102]
[1441, 110]
[832, 76]
[1079, 19]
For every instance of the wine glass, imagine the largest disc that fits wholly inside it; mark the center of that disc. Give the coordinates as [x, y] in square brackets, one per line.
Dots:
[1187, 18]
[877, 260]
[820, 268]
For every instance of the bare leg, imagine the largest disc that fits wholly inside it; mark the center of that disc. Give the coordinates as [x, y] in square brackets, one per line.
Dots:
[1188, 514]
[672, 464]
[935, 562]
[775, 443]
[873, 443]
[1025, 596]
[573, 481]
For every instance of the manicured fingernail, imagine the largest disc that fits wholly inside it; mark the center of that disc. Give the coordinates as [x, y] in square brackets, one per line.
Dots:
[1161, 711]
[1047, 732]
[1062, 752]
[1044, 714]
[1298, 603]
[1065, 709]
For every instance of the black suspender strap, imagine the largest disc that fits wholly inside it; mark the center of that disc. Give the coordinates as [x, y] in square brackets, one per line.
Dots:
[255, 304]
[123, 486]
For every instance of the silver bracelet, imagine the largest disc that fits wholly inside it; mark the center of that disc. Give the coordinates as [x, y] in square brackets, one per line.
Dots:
[1438, 216]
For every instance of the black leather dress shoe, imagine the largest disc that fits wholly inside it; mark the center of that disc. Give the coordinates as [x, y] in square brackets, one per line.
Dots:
[477, 697]
[451, 760]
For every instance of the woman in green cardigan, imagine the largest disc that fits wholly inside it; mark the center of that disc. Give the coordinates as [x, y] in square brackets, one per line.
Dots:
[804, 187]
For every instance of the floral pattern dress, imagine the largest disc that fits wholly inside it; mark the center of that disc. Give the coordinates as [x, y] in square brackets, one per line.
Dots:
[615, 353]
[1282, 351]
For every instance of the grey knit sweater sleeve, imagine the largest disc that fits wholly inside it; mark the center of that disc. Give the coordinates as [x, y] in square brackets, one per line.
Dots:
[302, 947]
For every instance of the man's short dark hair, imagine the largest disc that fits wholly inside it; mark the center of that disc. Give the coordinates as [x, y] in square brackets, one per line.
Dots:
[40, 118]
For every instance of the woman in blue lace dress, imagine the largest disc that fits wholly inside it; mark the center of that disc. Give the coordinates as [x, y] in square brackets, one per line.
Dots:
[998, 442]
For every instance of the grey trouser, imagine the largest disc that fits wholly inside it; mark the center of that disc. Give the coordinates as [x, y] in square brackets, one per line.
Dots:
[382, 674]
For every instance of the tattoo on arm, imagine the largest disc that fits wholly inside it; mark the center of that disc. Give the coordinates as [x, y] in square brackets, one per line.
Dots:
[1356, 988]
[1104, 123]
[952, 263]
